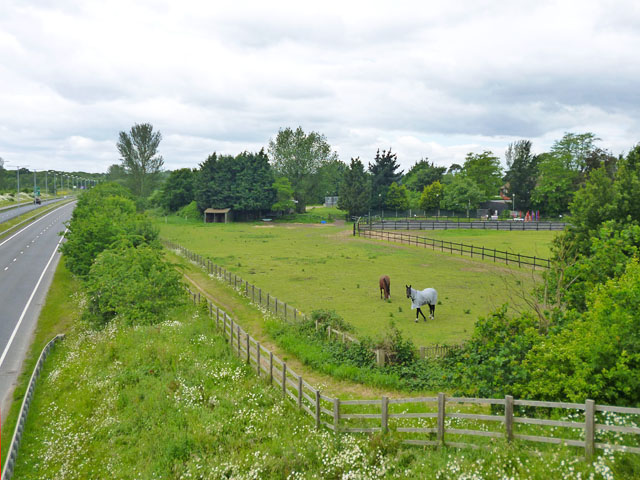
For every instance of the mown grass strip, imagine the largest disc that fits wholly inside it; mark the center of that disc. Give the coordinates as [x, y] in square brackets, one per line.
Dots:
[60, 310]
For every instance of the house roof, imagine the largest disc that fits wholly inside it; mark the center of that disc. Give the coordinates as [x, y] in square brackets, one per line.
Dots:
[217, 210]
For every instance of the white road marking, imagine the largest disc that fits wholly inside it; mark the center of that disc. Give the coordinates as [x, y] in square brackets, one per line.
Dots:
[15, 330]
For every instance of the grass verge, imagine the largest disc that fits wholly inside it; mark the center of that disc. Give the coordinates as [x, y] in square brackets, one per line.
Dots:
[61, 309]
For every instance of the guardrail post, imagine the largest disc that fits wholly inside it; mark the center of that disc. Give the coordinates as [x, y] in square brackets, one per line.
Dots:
[589, 429]
[385, 414]
[441, 415]
[508, 417]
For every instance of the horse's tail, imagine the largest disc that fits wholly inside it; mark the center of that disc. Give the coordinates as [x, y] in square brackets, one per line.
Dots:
[387, 286]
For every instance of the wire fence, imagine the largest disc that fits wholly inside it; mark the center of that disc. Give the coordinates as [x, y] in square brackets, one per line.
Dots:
[12, 454]
[455, 248]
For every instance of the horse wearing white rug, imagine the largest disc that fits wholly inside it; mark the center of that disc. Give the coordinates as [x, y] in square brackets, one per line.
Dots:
[428, 296]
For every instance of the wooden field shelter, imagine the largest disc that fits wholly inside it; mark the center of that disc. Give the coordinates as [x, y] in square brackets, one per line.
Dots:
[217, 215]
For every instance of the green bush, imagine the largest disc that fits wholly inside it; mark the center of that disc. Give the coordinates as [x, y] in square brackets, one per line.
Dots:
[190, 212]
[505, 215]
[597, 354]
[99, 220]
[133, 283]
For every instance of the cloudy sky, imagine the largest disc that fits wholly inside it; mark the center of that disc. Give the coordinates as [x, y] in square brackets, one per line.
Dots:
[428, 79]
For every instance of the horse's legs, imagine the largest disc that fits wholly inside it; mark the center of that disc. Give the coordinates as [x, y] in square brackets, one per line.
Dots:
[432, 312]
[418, 311]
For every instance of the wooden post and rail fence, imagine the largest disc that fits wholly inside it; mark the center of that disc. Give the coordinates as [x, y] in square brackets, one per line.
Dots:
[272, 305]
[453, 248]
[435, 420]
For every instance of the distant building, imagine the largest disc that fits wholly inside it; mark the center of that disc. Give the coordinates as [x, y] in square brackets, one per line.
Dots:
[330, 201]
[217, 215]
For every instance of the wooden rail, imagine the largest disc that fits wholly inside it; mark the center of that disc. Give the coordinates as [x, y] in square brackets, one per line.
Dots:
[506, 225]
[406, 417]
[456, 248]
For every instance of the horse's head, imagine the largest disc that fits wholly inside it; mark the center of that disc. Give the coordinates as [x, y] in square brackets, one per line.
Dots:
[408, 291]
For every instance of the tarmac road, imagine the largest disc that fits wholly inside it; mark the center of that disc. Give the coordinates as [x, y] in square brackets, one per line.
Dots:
[28, 259]
[9, 213]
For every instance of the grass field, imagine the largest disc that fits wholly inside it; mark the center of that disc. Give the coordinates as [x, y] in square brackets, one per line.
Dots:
[532, 243]
[323, 266]
[172, 401]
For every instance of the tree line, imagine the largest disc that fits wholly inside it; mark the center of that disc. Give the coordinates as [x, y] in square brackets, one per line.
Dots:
[298, 169]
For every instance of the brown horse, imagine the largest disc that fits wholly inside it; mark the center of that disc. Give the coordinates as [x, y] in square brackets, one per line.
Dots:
[385, 286]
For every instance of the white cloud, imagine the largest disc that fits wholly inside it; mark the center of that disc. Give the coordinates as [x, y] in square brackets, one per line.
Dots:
[436, 79]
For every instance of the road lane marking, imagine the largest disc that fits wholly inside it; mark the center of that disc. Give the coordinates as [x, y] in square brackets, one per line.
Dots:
[34, 222]
[33, 293]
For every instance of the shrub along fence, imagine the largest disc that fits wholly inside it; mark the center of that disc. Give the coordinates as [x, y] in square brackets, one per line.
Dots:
[10, 461]
[440, 420]
[286, 312]
[456, 248]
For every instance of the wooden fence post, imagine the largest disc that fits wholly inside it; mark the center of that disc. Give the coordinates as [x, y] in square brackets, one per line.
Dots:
[441, 415]
[336, 413]
[248, 350]
[589, 429]
[258, 357]
[238, 330]
[218, 317]
[385, 414]
[317, 408]
[271, 368]
[508, 417]
[299, 391]
[380, 357]
[231, 332]
[284, 378]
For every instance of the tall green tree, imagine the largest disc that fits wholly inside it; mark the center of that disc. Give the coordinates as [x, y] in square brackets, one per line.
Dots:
[139, 155]
[423, 174]
[485, 171]
[243, 183]
[431, 196]
[384, 171]
[177, 190]
[522, 173]
[397, 198]
[298, 156]
[462, 194]
[355, 190]
[328, 179]
[575, 148]
[557, 182]
[284, 195]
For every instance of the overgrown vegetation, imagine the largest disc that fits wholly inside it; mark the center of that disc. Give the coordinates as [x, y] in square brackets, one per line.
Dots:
[584, 342]
[115, 250]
